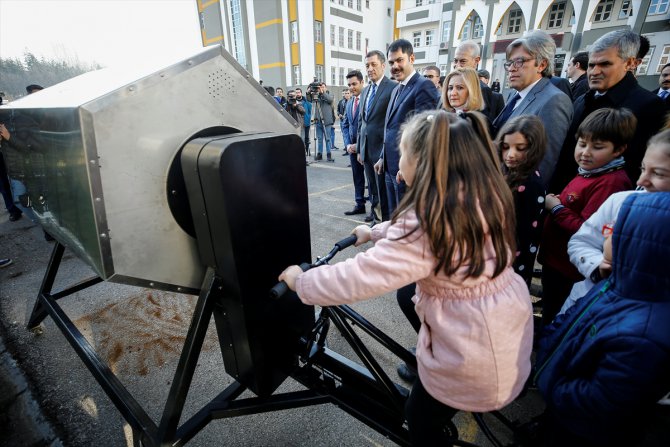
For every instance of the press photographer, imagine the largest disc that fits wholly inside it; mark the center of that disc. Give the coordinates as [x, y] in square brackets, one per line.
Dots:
[324, 117]
[295, 108]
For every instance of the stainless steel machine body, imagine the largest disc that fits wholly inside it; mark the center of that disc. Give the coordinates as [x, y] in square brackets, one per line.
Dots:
[95, 153]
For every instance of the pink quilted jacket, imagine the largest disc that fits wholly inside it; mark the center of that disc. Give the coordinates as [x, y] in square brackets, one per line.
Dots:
[474, 346]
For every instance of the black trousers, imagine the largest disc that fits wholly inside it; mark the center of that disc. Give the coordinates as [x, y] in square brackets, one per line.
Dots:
[404, 298]
[555, 290]
[426, 418]
[377, 190]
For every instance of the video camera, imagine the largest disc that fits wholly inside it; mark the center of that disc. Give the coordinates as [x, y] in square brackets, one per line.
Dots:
[312, 91]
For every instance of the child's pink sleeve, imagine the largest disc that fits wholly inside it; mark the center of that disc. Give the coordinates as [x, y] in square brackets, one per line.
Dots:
[389, 265]
[379, 231]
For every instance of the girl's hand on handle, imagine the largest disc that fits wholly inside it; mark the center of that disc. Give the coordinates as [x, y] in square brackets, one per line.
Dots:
[289, 276]
[363, 234]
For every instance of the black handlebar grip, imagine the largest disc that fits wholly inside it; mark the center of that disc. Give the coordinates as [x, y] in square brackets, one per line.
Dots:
[278, 290]
[346, 242]
[281, 287]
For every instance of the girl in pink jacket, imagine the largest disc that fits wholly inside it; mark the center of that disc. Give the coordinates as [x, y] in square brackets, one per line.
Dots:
[453, 234]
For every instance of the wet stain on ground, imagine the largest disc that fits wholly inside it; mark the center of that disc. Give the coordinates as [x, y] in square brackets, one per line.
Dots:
[141, 332]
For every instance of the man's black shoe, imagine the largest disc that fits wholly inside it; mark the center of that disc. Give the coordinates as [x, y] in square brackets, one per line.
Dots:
[345, 153]
[318, 157]
[13, 217]
[371, 217]
[356, 210]
[330, 158]
[406, 374]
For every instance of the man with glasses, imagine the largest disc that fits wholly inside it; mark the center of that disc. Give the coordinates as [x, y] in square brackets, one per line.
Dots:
[530, 62]
[432, 73]
[467, 55]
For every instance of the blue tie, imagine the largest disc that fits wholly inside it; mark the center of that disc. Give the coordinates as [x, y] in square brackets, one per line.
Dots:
[507, 111]
[371, 96]
[663, 94]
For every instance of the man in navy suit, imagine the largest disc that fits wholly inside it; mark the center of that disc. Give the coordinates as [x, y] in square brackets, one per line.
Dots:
[413, 94]
[350, 136]
[663, 91]
[374, 99]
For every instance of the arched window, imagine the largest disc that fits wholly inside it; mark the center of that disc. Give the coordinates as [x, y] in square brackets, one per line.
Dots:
[473, 28]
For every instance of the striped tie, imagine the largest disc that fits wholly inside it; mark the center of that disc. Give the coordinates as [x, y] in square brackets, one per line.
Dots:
[371, 96]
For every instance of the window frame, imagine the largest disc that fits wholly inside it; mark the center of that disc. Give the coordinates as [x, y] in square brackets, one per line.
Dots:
[663, 59]
[556, 15]
[657, 5]
[416, 39]
[514, 22]
[603, 11]
[318, 31]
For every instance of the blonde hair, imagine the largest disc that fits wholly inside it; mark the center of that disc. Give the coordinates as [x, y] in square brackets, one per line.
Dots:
[459, 194]
[475, 99]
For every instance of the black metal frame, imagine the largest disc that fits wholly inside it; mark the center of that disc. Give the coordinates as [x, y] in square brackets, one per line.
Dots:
[365, 392]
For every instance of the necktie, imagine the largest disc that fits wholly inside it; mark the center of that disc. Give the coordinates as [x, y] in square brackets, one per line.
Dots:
[371, 96]
[355, 107]
[507, 111]
[398, 93]
[663, 94]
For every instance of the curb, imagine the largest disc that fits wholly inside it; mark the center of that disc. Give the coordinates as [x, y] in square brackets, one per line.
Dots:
[22, 422]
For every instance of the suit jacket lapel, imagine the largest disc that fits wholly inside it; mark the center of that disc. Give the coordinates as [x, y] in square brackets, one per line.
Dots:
[530, 97]
[402, 96]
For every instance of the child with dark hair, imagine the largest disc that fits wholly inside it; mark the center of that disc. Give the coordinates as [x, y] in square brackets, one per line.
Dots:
[601, 140]
[522, 144]
[453, 235]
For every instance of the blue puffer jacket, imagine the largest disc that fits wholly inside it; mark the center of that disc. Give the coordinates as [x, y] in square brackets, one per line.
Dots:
[604, 364]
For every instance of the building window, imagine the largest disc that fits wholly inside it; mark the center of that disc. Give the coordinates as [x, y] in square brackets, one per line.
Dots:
[431, 2]
[318, 34]
[664, 59]
[556, 15]
[341, 76]
[341, 37]
[358, 40]
[478, 27]
[604, 11]
[644, 65]
[416, 38]
[318, 71]
[238, 32]
[429, 37]
[443, 69]
[446, 30]
[388, 12]
[626, 9]
[358, 5]
[514, 22]
[367, 4]
[350, 39]
[333, 75]
[332, 35]
[341, 2]
[296, 75]
[572, 18]
[350, 3]
[658, 7]
[465, 35]
[419, 2]
[294, 32]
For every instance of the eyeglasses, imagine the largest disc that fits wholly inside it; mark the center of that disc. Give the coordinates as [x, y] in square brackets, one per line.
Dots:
[518, 63]
[429, 76]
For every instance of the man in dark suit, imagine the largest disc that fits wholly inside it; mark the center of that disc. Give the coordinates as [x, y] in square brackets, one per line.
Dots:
[413, 94]
[530, 62]
[374, 101]
[350, 137]
[467, 54]
[576, 70]
[663, 91]
[612, 85]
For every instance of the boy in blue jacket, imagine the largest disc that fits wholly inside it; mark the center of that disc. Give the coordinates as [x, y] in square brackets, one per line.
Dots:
[604, 364]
